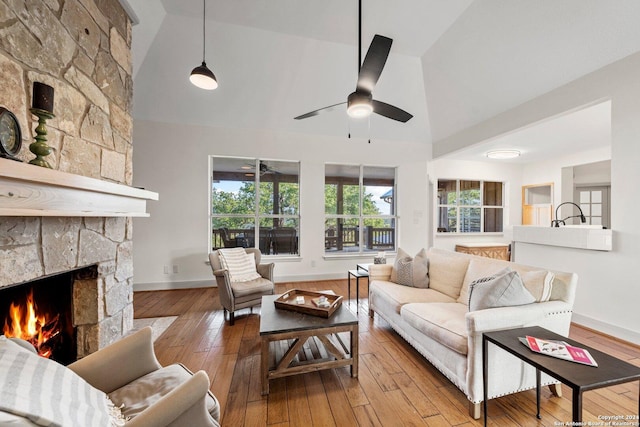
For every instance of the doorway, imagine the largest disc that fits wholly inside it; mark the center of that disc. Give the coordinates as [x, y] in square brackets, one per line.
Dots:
[595, 202]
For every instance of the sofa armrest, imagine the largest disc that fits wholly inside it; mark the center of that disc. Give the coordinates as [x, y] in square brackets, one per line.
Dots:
[499, 318]
[188, 396]
[119, 363]
[380, 272]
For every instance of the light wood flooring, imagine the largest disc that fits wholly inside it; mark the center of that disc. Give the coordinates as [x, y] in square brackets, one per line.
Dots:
[395, 386]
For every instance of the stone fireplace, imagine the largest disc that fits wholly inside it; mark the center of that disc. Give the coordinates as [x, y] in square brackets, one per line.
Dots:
[48, 224]
[32, 248]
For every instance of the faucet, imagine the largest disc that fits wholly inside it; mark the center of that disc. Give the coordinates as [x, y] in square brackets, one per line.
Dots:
[556, 222]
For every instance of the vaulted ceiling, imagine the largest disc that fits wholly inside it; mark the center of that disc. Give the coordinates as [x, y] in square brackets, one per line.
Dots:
[453, 63]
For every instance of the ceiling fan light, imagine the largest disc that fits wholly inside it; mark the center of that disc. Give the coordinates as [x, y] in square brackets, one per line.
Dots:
[203, 77]
[503, 154]
[359, 105]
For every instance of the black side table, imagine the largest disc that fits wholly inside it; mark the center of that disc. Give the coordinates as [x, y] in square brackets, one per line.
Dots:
[360, 272]
[610, 370]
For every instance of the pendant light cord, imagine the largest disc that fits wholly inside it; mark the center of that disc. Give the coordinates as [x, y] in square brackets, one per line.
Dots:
[204, 28]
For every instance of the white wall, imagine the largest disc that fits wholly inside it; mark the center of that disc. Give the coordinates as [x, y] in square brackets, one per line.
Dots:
[510, 174]
[172, 159]
[551, 171]
[608, 291]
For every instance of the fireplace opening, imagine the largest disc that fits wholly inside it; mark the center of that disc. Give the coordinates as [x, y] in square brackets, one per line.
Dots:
[41, 313]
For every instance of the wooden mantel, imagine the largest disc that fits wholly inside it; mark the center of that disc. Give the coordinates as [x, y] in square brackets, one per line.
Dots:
[28, 190]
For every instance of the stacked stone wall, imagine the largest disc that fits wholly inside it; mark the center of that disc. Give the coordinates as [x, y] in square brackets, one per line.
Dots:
[82, 48]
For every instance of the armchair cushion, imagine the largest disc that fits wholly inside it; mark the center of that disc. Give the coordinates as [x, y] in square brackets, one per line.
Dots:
[240, 264]
[46, 392]
[148, 389]
[252, 288]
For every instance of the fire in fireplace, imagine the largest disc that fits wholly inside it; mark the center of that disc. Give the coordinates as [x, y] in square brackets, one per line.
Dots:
[26, 321]
[40, 312]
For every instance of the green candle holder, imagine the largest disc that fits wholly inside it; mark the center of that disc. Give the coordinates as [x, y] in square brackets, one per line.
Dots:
[40, 147]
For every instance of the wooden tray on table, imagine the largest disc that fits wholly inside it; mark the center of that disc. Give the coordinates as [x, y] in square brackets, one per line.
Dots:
[288, 301]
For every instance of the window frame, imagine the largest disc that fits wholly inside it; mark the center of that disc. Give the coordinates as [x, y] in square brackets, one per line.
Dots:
[257, 215]
[361, 217]
[458, 206]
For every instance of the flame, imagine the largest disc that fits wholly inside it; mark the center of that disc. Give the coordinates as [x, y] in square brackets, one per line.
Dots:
[26, 323]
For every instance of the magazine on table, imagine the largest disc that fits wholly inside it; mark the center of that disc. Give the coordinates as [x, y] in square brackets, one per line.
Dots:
[559, 349]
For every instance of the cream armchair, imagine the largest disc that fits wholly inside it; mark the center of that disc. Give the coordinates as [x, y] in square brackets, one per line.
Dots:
[237, 295]
[129, 373]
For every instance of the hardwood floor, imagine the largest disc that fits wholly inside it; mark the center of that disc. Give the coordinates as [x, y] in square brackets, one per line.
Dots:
[395, 386]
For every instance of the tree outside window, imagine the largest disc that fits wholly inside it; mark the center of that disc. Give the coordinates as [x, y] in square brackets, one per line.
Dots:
[255, 203]
[359, 209]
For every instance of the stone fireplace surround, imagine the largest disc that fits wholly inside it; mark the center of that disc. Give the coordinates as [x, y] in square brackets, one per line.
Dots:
[69, 228]
[82, 48]
[32, 248]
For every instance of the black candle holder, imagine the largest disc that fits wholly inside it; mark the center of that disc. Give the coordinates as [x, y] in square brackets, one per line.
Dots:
[40, 147]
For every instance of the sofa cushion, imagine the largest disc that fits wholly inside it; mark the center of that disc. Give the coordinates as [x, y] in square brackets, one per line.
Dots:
[395, 296]
[446, 271]
[140, 394]
[240, 264]
[538, 282]
[46, 392]
[443, 322]
[411, 271]
[503, 289]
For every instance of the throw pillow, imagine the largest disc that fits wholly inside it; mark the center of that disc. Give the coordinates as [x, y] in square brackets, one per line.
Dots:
[46, 392]
[539, 283]
[409, 271]
[240, 265]
[503, 289]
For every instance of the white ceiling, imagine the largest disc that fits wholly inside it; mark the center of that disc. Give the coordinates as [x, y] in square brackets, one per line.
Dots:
[413, 24]
[584, 130]
[453, 64]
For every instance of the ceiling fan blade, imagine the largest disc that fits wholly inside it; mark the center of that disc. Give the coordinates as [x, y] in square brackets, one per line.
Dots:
[321, 110]
[374, 63]
[391, 112]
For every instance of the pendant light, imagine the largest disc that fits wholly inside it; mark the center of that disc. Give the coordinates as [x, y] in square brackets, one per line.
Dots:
[202, 76]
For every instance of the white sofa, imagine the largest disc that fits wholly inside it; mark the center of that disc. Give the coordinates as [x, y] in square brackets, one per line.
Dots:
[436, 320]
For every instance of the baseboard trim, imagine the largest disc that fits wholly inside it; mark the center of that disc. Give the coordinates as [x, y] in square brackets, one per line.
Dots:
[165, 286]
[613, 331]
[310, 277]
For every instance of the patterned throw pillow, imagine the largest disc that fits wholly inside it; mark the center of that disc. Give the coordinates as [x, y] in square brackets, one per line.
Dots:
[503, 289]
[240, 265]
[409, 271]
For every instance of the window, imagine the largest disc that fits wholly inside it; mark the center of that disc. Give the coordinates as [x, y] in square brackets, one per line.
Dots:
[255, 203]
[360, 214]
[470, 206]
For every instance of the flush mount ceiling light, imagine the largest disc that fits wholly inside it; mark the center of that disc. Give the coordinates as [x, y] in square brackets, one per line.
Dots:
[503, 154]
[202, 76]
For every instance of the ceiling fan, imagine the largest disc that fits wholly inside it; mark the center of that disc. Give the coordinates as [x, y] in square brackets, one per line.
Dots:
[360, 103]
[264, 168]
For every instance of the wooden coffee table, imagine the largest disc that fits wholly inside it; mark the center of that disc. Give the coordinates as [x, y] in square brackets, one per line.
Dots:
[295, 343]
[580, 378]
